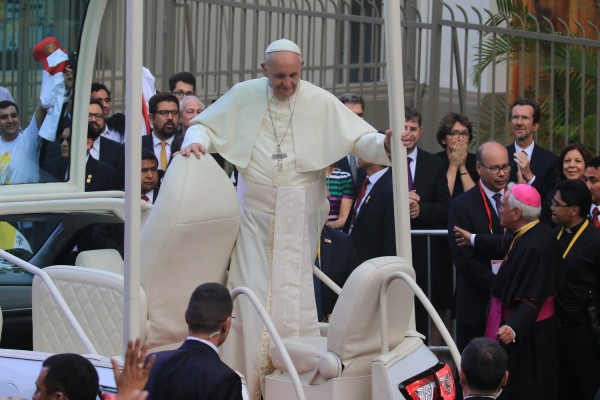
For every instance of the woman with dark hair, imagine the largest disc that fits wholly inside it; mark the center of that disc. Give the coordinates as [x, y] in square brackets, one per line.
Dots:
[571, 165]
[572, 161]
[454, 134]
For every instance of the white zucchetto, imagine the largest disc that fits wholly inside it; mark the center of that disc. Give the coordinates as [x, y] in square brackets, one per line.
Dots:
[283, 45]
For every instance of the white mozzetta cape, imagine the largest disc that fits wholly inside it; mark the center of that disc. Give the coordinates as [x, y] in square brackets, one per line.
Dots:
[323, 128]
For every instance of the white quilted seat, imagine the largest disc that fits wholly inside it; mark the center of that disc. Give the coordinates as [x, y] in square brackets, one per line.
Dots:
[186, 240]
[339, 366]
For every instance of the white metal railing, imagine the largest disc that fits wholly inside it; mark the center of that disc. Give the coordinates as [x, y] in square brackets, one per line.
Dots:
[262, 313]
[426, 303]
[56, 296]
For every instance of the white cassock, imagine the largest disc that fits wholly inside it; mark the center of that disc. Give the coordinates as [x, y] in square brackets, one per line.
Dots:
[283, 209]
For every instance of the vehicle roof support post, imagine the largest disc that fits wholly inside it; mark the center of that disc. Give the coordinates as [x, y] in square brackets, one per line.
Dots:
[395, 79]
[133, 144]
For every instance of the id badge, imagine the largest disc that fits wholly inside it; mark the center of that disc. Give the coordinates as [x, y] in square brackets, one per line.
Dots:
[496, 266]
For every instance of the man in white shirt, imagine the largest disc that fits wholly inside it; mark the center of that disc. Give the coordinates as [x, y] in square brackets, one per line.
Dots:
[530, 163]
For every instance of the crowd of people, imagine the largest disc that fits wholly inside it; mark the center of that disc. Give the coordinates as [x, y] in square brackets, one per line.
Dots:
[315, 187]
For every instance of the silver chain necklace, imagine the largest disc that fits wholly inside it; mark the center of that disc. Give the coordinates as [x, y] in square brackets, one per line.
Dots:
[279, 155]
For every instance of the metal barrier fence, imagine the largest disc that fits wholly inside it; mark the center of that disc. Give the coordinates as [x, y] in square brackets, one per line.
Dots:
[445, 48]
[429, 233]
[470, 60]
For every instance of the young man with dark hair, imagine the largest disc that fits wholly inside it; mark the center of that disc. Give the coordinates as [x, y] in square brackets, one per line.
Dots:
[67, 376]
[182, 84]
[195, 371]
[19, 149]
[483, 369]
[578, 299]
[428, 202]
[115, 124]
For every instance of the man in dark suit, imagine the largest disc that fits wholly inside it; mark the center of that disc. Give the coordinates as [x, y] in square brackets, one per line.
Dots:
[103, 149]
[372, 228]
[150, 176]
[337, 259]
[483, 369]
[530, 163]
[195, 371]
[428, 198]
[476, 211]
[163, 109]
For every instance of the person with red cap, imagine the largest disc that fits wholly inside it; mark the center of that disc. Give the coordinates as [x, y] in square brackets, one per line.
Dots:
[521, 312]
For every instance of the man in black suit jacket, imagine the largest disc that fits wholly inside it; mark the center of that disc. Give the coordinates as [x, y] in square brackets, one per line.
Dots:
[337, 259]
[163, 111]
[475, 210]
[150, 176]
[372, 229]
[103, 149]
[195, 371]
[429, 198]
[530, 163]
[483, 369]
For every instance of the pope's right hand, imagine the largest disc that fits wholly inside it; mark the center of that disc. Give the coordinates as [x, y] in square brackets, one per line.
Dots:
[197, 149]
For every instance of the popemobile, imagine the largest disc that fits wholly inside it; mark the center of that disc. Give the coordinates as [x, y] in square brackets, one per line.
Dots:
[58, 294]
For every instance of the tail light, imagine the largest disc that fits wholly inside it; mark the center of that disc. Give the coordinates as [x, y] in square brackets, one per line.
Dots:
[435, 383]
[446, 382]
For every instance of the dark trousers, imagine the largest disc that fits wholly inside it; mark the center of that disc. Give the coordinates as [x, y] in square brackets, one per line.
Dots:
[465, 333]
[579, 368]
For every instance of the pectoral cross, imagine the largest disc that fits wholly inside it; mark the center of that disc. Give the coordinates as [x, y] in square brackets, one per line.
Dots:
[279, 156]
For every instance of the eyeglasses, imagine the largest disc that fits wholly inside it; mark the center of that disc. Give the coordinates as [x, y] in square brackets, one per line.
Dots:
[495, 169]
[456, 134]
[165, 113]
[5, 116]
[181, 93]
[556, 204]
[94, 116]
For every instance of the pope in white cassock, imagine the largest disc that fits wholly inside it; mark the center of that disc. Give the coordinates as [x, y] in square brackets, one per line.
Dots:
[280, 132]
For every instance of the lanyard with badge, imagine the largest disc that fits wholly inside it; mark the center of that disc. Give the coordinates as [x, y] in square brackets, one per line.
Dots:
[495, 264]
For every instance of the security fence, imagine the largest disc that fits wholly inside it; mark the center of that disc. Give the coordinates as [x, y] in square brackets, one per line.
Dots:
[467, 59]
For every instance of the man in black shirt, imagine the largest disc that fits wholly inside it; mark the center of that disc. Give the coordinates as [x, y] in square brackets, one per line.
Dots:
[579, 292]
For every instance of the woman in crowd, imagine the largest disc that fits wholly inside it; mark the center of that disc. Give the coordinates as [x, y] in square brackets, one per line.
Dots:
[572, 161]
[571, 164]
[454, 134]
